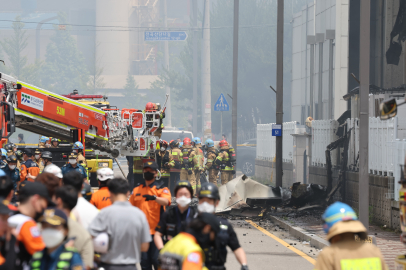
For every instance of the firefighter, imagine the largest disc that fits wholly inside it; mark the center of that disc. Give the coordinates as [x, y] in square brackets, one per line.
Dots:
[177, 157]
[401, 259]
[38, 159]
[42, 142]
[54, 143]
[197, 144]
[225, 160]
[216, 254]
[189, 161]
[342, 225]
[73, 165]
[165, 162]
[185, 251]
[29, 168]
[153, 107]
[212, 168]
[78, 148]
[19, 155]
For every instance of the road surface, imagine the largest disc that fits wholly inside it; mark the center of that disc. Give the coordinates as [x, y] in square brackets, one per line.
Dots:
[267, 246]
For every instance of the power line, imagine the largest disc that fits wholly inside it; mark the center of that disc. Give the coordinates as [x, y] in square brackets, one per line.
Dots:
[125, 28]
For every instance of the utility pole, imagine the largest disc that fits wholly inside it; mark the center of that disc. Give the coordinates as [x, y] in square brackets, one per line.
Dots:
[235, 74]
[279, 91]
[364, 112]
[166, 52]
[206, 80]
[195, 67]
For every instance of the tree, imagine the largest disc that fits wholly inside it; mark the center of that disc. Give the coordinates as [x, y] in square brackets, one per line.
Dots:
[96, 80]
[133, 98]
[64, 68]
[14, 47]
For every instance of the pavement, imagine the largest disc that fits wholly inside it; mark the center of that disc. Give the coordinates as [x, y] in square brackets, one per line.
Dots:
[388, 241]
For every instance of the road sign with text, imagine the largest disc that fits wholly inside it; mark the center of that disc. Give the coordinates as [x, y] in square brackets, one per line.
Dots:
[165, 36]
[276, 130]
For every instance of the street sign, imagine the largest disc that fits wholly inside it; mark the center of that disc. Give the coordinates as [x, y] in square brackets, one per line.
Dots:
[276, 130]
[221, 104]
[165, 36]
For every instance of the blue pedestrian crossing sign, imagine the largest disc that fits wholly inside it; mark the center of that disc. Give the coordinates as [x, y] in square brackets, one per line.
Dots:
[276, 130]
[221, 104]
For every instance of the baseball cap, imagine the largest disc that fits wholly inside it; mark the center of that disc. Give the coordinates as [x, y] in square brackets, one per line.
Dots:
[55, 170]
[151, 164]
[54, 216]
[28, 152]
[104, 174]
[34, 188]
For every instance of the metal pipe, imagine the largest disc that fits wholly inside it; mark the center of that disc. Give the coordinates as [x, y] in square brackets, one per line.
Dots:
[195, 67]
[167, 89]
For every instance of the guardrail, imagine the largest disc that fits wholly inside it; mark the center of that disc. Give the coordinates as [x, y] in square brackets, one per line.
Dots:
[266, 143]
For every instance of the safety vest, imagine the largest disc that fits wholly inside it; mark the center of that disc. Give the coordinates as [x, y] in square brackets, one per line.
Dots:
[138, 165]
[64, 260]
[224, 158]
[174, 253]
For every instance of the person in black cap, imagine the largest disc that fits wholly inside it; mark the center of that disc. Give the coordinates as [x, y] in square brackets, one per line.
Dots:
[176, 217]
[185, 251]
[29, 168]
[216, 255]
[151, 197]
[12, 171]
[33, 198]
[56, 255]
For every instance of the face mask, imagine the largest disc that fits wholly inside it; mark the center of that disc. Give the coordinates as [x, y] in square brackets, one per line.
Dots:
[183, 201]
[72, 161]
[36, 156]
[163, 149]
[12, 167]
[52, 237]
[148, 176]
[206, 208]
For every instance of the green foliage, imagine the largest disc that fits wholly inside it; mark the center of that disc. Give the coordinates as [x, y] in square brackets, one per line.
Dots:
[14, 47]
[64, 69]
[133, 98]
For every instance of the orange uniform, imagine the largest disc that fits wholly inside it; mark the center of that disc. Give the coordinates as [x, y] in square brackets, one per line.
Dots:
[101, 198]
[28, 234]
[151, 209]
[29, 167]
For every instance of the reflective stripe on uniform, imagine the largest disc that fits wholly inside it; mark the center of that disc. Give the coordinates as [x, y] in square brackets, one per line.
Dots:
[365, 263]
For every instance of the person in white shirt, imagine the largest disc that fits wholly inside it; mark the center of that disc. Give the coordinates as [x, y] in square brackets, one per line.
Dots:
[84, 212]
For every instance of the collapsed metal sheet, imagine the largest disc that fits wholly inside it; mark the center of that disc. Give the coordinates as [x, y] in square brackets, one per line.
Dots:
[236, 192]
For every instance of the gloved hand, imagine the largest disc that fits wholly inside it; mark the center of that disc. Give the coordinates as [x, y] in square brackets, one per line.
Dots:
[166, 165]
[149, 197]
[244, 267]
[189, 172]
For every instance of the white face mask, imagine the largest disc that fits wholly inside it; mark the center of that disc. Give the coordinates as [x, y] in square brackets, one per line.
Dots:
[206, 208]
[12, 167]
[183, 201]
[52, 237]
[72, 161]
[36, 156]
[163, 149]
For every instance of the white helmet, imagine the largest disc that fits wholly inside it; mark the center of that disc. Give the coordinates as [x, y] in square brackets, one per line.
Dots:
[104, 174]
[101, 243]
[55, 170]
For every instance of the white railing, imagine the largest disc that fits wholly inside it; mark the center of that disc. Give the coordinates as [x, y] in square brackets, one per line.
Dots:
[266, 143]
[323, 133]
[382, 135]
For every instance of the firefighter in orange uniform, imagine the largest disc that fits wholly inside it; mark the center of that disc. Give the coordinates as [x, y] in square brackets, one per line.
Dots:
[101, 198]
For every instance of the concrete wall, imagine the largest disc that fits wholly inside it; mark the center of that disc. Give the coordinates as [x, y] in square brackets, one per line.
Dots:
[383, 211]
